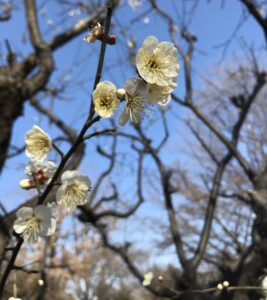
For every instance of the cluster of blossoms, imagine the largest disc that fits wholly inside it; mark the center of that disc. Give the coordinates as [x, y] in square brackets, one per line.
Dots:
[33, 223]
[158, 68]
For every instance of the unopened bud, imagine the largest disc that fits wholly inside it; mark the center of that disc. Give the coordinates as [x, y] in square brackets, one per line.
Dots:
[160, 278]
[226, 283]
[112, 39]
[219, 286]
[27, 184]
[121, 94]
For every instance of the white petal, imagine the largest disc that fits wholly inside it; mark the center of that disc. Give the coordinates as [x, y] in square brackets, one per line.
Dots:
[134, 85]
[158, 94]
[53, 206]
[106, 84]
[60, 193]
[19, 226]
[43, 212]
[52, 227]
[35, 127]
[84, 181]
[124, 118]
[69, 175]
[48, 228]
[150, 43]
[24, 213]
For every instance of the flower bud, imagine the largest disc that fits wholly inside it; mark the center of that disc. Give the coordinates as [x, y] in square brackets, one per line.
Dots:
[27, 184]
[112, 39]
[121, 94]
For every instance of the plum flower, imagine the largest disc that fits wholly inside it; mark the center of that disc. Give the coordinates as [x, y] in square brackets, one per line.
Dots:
[41, 171]
[33, 223]
[135, 99]
[73, 190]
[38, 143]
[160, 95]
[148, 277]
[14, 298]
[105, 99]
[156, 62]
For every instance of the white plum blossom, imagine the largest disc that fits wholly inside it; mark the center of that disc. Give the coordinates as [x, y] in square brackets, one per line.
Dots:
[148, 277]
[73, 191]
[14, 298]
[135, 100]
[33, 223]
[156, 62]
[41, 171]
[105, 99]
[38, 143]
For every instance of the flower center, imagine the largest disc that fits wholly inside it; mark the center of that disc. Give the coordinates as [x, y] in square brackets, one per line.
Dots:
[134, 106]
[152, 63]
[74, 195]
[105, 101]
[134, 102]
[34, 224]
[71, 190]
[40, 176]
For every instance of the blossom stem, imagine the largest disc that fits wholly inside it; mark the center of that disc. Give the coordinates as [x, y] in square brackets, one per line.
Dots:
[58, 150]
[96, 133]
[10, 265]
[109, 5]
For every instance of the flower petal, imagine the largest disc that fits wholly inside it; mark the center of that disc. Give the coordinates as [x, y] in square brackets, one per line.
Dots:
[150, 43]
[24, 213]
[48, 228]
[124, 118]
[69, 175]
[43, 212]
[19, 226]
